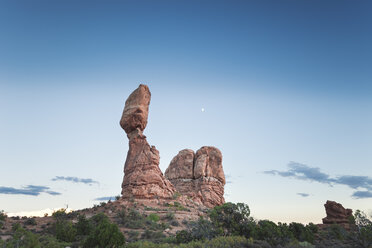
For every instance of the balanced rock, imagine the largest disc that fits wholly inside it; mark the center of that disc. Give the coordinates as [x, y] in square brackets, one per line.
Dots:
[199, 176]
[336, 213]
[136, 110]
[143, 178]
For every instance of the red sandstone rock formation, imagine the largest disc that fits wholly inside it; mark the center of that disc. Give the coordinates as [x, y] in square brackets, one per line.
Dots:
[199, 176]
[143, 178]
[336, 213]
[136, 110]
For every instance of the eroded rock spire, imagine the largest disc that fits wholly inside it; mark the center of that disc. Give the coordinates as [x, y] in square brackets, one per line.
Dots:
[143, 178]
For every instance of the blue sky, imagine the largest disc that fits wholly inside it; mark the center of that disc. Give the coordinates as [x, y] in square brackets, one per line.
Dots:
[286, 87]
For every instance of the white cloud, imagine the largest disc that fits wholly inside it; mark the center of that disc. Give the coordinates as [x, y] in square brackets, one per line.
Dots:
[37, 213]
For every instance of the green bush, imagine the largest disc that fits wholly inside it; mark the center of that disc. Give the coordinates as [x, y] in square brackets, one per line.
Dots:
[104, 234]
[23, 239]
[268, 231]
[169, 216]
[302, 233]
[133, 235]
[183, 237]
[204, 229]
[230, 217]
[3, 217]
[31, 222]
[174, 223]
[153, 217]
[49, 241]
[152, 235]
[65, 231]
[218, 242]
[83, 226]
[364, 229]
[131, 219]
[60, 214]
[286, 236]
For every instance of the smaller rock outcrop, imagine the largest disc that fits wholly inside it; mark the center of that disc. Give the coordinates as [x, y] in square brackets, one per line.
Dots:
[336, 213]
[199, 175]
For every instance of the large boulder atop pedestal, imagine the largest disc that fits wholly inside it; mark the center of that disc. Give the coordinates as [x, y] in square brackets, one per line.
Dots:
[143, 178]
[136, 110]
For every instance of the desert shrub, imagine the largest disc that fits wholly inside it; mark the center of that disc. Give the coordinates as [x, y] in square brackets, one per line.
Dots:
[337, 232]
[174, 223]
[176, 195]
[133, 235]
[130, 219]
[30, 222]
[65, 231]
[23, 238]
[49, 241]
[230, 217]
[203, 229]
[153, 217]
[231, 242]
[302, 233]
[183, 237]
[152, 235]
[176, 206]
[169, 216]
[60, 214]
[268, 231]
[104, 234]
[312, 227]
[364, 229]
[248, 228]
[134, 219]
[286, 236]
[3, 217]
[147, 244]
[83, 226]
[218, 242]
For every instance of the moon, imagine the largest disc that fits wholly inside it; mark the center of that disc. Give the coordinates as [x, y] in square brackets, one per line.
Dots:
[202, 109]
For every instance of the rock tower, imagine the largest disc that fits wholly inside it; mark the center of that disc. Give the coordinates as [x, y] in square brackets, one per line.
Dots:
[143, 178]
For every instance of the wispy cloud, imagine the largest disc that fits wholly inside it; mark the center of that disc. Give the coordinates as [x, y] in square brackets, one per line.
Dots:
[303, 194]
[362, 194]
[305, 172]
[75, 180]
[302, 172]
[105, 198]
[33, 190]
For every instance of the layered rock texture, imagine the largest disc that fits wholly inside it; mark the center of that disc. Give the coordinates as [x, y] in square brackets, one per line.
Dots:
[199, 175]
[336, 213]
[143, 178]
